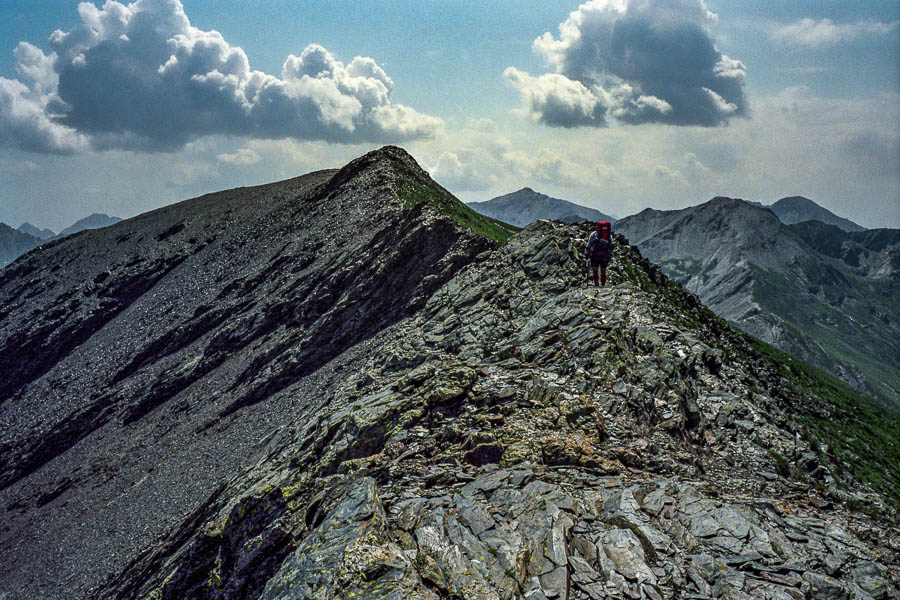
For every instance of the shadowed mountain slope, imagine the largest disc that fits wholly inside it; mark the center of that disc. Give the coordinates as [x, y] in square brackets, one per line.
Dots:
[527, 206]
[817, 292]
[796, 209]
[338, 387]
[871, 253]
[131, 349]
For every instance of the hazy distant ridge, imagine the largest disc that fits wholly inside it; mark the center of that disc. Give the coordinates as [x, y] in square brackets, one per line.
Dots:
[14, 243]
[94, 221]
[42, 234]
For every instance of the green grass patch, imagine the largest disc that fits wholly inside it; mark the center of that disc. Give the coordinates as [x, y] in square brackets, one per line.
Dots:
[864, 435]
[414, 190]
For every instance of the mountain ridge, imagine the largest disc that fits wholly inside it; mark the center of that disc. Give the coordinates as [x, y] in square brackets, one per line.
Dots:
[14, 243]
[42, 234]
[92, 221]
[343, 384]
[13, 246]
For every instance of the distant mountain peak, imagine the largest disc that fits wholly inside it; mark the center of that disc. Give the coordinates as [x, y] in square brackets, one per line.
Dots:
[14, 243]
[745, 262]
[796, 209]
[93, 221]
[43, 234]
[797, 201]
[526, 205]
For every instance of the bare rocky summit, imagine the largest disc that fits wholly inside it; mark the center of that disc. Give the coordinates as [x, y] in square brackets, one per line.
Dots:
[339, 386]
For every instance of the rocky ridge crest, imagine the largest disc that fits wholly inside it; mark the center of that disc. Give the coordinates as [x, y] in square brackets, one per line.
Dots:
[526, 436]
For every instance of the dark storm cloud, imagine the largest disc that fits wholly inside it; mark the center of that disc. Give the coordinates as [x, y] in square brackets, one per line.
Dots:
[645, 61]
[139, 76]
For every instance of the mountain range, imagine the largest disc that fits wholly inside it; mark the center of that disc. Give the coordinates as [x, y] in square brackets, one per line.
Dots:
[350, 385]
[15, 242]
[818, 292]
[526, 206]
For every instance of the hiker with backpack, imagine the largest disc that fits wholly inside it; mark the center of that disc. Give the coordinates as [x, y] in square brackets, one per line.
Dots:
[599, 250]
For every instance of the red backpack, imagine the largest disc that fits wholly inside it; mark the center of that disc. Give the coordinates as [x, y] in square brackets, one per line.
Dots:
[601, 244]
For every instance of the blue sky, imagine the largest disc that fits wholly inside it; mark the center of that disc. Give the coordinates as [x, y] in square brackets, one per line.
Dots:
[616, 104]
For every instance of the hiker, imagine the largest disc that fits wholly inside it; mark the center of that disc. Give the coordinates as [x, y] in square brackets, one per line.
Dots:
[599, 250]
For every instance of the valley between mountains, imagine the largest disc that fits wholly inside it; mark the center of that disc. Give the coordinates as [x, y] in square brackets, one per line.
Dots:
[351, 385]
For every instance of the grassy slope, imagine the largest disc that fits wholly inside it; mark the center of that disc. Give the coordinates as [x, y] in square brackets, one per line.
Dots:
[415, 190]
[863, 434]
[837, 331]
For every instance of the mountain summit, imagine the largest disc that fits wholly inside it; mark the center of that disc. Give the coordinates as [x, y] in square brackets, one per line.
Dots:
[527, 206]
[796, 209]
[349, 385]
[94, 221]
[41, 234]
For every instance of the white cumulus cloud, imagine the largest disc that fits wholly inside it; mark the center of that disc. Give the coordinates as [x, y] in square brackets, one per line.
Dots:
[459, 172]
[140, 76]
[554, 99]
[635, 61]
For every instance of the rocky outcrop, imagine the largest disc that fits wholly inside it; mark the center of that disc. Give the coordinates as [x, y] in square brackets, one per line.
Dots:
[488, 427]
